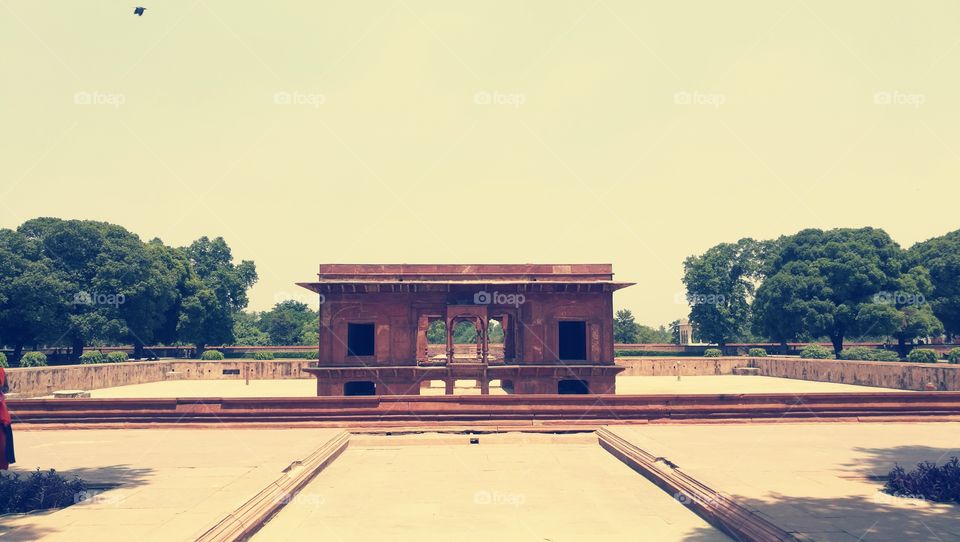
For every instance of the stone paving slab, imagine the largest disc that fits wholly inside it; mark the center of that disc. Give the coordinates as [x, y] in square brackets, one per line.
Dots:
[822, 481]
[173, 484]
[505, 488]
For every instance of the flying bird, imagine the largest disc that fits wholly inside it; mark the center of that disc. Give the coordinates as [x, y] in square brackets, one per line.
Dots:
[138, 11]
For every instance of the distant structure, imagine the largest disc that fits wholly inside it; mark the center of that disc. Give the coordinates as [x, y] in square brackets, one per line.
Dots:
[557, 323]
[685, 329]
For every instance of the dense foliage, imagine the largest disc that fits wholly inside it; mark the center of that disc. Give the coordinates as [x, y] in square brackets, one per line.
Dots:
[712, 353]
[38, 491]
[288, 323]
[954, 355]
[81, 282]
[938, 483]
[33, 359]
[862, 353]
[922, 355]
[815, 351]
[757, 353]
[211, 355]
[263, 355]
[627, 331]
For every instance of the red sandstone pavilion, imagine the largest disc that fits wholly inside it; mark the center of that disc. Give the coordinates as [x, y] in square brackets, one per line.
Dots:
[557, 323]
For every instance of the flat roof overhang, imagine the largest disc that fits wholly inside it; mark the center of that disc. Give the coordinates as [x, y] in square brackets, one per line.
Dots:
[408, 286]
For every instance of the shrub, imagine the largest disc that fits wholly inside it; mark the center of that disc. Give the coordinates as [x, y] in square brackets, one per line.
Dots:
[922, 355]
[757, 353]
[862, 353]
[92, 356]
[954, 355]
[927, 481]
[296, 355]
[712, 353]
[262, 354]
[3, 360]
[38, 491]
[815, 351]
[117, 357]
[33, 359]
[211, 355]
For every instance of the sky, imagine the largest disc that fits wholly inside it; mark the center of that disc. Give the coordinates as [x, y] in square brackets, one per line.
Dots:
[601, 131]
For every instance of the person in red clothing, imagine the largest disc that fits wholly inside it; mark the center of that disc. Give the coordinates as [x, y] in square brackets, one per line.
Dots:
[6, 432]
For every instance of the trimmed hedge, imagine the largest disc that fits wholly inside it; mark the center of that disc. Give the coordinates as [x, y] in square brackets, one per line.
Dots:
[211, 355]
[263, 355]
[757, 353]
[117, 357]
[954, 355]
[815, 351]
[3, 360]
[922, 355]
[927, 481]
[862, 353]
[38, 491]
[33, 359]
[712, 353]
[92, 356]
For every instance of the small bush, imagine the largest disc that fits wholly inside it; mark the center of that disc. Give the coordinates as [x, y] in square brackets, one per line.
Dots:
[263, 355]
[712, 353]
[954, 355]
[757, 353]
[922, 355]
[296, 355]
[117, 357]
[38, 491]
[33, 359]
[862, 353]
[92, 356]
[3, 360]
[927, 481]
[211, 355]
[815, 351]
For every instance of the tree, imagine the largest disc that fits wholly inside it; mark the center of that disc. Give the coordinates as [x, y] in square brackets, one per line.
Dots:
[246, 330]
[624, 327]
[285, 323]
[820, 283]
[903, 313]
[941, 257]
[720, 286]
[32, 294]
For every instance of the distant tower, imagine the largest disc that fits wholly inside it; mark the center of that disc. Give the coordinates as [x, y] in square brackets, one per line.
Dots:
[686, 331]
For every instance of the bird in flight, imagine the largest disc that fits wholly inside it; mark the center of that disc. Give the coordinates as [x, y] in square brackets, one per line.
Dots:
[138, 11]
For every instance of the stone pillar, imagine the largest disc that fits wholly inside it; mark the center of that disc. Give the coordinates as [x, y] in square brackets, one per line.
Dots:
[484, 385]
[450, 322]
[448, 383]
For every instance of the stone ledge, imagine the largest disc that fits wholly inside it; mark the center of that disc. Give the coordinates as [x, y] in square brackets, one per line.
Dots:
[249, 517]
[713, 506]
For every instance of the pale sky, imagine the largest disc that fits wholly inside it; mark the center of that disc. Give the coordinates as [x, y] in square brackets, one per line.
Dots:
[635, 133]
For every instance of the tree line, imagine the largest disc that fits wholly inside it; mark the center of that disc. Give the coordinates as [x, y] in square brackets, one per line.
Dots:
[79, 282]
[825, 285]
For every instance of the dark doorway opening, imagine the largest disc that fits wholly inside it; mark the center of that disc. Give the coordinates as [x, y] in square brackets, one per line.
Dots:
[573, 340]
[360, 339]
[573, 387]
[360, 387]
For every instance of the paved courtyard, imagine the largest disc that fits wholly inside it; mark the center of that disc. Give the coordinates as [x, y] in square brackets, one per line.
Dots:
[508, 487]
[625, 385]
[820, 480]
[171, 484]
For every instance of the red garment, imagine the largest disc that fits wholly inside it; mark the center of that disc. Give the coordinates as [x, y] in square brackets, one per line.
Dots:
[4, 423]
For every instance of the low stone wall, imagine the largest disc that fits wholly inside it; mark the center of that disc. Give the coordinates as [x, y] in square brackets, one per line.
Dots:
[39, 381]
[669, 366]
[897, 375]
